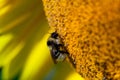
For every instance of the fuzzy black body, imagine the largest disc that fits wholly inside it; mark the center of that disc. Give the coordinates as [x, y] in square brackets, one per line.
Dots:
[57, 50]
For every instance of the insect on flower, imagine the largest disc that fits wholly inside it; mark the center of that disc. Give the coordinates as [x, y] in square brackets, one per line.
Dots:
[56, 47]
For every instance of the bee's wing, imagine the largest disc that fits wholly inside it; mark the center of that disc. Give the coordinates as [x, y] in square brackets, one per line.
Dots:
[61, 57]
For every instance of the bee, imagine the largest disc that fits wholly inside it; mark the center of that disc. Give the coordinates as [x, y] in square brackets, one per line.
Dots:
[57, 50]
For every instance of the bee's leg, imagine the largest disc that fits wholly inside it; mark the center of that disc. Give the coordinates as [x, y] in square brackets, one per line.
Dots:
[70, 59]
[60, 45]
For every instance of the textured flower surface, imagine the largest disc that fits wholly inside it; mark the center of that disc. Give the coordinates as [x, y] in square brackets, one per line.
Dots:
[23, 51]
[90, 31]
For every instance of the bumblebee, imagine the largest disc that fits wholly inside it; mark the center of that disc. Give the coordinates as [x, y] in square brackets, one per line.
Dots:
[57, 50]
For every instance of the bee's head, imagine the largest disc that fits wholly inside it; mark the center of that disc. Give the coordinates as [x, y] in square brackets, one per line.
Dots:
[54, 35]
